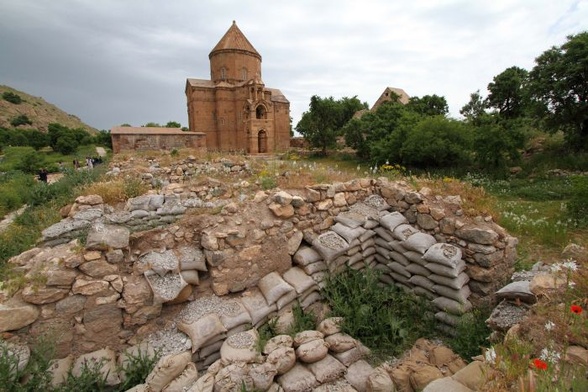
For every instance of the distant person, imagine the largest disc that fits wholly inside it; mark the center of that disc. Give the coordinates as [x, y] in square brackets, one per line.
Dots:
[43, 175]
[89, 163]
[76, 164]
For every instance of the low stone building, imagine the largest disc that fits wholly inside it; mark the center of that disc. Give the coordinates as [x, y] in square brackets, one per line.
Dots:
[389, 94]
[155, 138]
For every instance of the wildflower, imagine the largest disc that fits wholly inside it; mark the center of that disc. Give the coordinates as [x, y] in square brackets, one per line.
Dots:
[571, 284]
[570, 265]
[556, 267]
[539, 364]
[549, 325]
[550, 356]
[490, 355]
[577, 309]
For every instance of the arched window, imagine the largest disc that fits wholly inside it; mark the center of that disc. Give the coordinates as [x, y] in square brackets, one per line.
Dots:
[260, 112]
[223, 73]
[244, 73]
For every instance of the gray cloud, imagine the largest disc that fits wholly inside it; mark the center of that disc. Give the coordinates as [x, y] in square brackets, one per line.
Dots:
[113, 62]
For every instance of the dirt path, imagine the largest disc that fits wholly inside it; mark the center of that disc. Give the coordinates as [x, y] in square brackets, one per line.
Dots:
[9, 218]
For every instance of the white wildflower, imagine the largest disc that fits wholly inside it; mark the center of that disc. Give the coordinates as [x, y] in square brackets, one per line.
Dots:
[556, 267]
[549, 325]
[571, 265]
[490, 355]
[571, 284]
[551, 356]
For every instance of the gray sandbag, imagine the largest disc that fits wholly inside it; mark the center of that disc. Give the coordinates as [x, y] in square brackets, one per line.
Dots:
[273, 287]
[255, 303]
[456, 283]
[298, 279]
[393, 220]
[460, 295]
[306, 255]
[358, 374]
[419, 242]
[452, 306]
[330, 245]
[348, 233]
[402, 232]
[450, 272]
[445, 254]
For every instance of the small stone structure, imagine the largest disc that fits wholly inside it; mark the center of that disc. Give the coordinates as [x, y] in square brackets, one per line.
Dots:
[182, 270]
[155, 138]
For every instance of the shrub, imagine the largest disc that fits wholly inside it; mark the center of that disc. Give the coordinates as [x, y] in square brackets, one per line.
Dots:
[383, 317]
[12, 97]
[136, 368]
[472, 334]
[21, 119]
[302, 321]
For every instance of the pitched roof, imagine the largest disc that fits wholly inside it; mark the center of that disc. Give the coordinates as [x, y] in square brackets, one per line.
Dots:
[200, 83]
[234, 39]
[149, 131]
[277, 95]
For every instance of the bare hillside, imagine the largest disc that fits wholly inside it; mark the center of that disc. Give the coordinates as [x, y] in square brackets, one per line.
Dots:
[40, 112]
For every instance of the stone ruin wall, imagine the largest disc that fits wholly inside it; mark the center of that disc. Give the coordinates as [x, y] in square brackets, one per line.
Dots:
[164, 253]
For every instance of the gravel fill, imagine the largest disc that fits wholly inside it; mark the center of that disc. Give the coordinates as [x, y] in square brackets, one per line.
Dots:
[211, 304]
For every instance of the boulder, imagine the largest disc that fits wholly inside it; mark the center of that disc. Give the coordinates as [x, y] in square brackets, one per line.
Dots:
[16, 314]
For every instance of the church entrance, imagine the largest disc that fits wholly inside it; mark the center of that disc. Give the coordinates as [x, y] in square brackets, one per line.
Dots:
[262, 142]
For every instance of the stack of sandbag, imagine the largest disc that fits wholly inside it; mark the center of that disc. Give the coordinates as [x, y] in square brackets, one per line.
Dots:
[192, 264]
[306, 289]
[276, 290]
[162, 271]
[208, 321]
[260, 311]
[312, 264]
[450, 282]
[333, 248]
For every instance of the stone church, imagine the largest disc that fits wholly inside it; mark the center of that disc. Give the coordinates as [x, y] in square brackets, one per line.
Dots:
[235, 109]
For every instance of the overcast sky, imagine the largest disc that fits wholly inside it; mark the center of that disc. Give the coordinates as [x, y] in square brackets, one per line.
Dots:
[126, 61]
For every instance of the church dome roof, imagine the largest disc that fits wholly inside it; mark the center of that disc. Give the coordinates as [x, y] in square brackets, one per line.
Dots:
[234, 39]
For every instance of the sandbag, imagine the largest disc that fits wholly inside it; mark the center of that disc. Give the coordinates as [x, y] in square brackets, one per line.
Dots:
[459, 295]
[191, 277]
[273, 287]
[449, 319]
[399, 258]
[282, 358]
[298, 379]
[419, 242]
[330, 245]
[312, 351]
[358, 373]
[234, 377]
[255, 303]
[330, 326]
[202, 330]
[379, 381]
[403, 231]
[203, 384]
[327, 369]
[350, 356]
[450, 272]
[191, 259]
[383, 233]
[399, 269]
[348, 233]
[166, 369]
[423, 282]
[311, 298]
[287, 299]
[240, 347]
[416, 269]
[103, 360]
[341, 342]
[306, 255]
[277, 342]
[456, 283]
[306, 336]
[452, 306]
[392, 220]
[445, 254]
[141, 350]
[313, 268]
[262, 375]
[298, 279]
[188, 377]
[233, 314]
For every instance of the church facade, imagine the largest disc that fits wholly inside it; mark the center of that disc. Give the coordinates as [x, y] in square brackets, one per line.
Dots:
[235, 109]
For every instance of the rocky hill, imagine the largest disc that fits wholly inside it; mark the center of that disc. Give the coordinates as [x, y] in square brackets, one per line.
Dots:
[40, 112]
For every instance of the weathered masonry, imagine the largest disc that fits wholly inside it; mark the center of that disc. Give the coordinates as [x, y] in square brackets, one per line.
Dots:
[235, 109]
[151, 138]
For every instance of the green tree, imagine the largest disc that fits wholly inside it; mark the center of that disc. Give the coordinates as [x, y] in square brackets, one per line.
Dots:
[507, 92]
[66, 144]
[152, 125]
[559, 89]
[322, 123]
[173, 124]
[30, 161]
[429, 105]
[37, 139]
[475, 109]
[436, 142]
[497, 144]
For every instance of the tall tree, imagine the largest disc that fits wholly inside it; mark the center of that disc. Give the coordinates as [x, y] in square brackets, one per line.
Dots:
[323, 121]
[559, 88]
[507, 92]
[429, 105]
[474, 110]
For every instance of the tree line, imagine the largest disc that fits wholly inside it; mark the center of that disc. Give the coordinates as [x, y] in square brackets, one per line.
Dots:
[552, 97]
